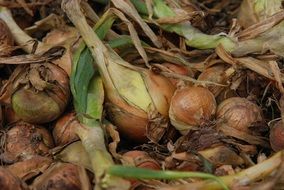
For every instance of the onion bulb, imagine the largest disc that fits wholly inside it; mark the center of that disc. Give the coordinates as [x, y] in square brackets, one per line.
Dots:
[137, 97]
[191, 106]
[178, 69]
[62, 176]
[6, 40]
[276, 136]
[24, 140]
[238, 113]
[43, 95]
[63, 131]
[214, 74]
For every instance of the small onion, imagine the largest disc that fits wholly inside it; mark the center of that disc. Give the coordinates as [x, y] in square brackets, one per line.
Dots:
[214, 74]
[9, 182]
[61, 176]
[46, 99]
[6, 40]
[276, 136]
[140, 159]
[238, 113]
[63, 131]
[24, 140]
[191, 107]
[178, 69]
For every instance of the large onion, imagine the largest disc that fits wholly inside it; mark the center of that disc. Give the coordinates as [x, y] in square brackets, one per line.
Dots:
[24, 140]
[191, 107]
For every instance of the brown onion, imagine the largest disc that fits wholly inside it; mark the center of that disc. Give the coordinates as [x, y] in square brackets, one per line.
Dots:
[191, 107]
[276, 136]
[6, 40]
[48, 96]
[62, 176]
[24, 140]
[9, 182]
[63, 131]
[178, 69]
[214, 74]
[139, 159]
[238, 113]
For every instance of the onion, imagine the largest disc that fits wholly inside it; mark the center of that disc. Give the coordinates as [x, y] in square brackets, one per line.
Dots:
[63, 131]
[130, 91]
[6, 40]
[9, 115]
[139, 159]
[9, 182]
[214, 74]
[276, 136]
[24, 140]
[238, 113]
[43, 95]
[191, 107]
[178, 69]
[62, 176]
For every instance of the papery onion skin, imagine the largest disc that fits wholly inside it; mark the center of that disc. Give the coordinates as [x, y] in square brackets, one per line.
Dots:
[64, 130]
[24, 140]
[238, 113]
[276, 136]
[42, 106]
[191, 107]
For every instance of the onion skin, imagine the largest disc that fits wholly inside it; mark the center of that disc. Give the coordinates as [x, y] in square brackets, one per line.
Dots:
[42, 104]
[191, 107]
[63, 131]
[238, 113]
[24, 140]
[276, 136]
[6, 40]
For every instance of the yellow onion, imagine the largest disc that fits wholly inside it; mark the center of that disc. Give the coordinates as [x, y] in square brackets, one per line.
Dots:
[62, 176]
[6, 40]
[130, 91]
[191, 107]
[214, 74]
[178, 69]
[276, 136]
[43, 95]
[238, 113]
[64, 130]
[9, 182]
[24, 140]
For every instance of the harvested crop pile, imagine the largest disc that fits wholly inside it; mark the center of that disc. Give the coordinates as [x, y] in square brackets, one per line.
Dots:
[141, 94]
